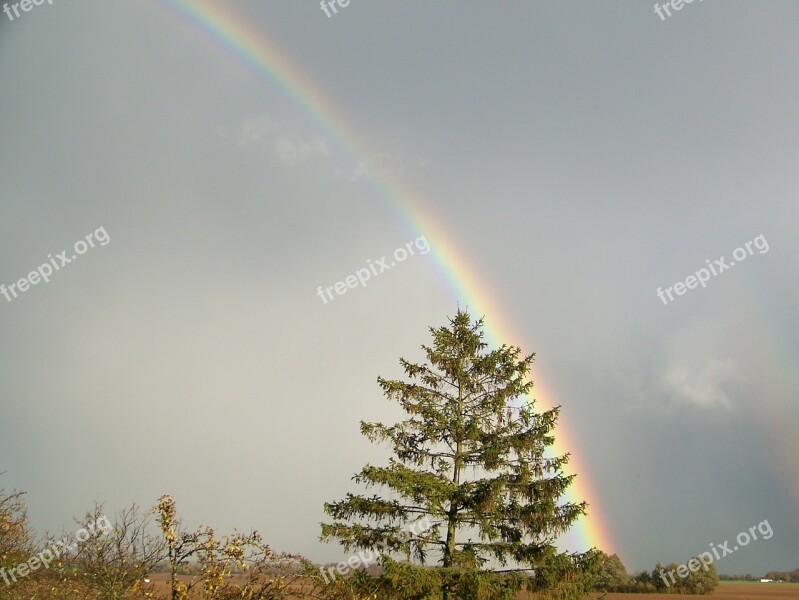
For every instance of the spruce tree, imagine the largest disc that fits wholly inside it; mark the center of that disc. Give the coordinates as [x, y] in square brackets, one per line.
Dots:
[471, 459]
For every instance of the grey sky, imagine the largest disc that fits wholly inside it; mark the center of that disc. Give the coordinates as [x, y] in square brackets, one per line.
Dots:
[580, 154]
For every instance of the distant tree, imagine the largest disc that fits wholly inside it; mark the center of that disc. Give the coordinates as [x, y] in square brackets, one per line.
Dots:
[791, 577]
[643, 579]
[703, 580]
[697, 579]
[475, 465]
[611, 574]
[665, 579]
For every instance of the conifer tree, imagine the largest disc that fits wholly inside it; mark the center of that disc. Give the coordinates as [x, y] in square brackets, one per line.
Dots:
[471, 459]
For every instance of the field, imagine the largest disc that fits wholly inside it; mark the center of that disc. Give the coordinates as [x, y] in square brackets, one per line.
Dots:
[725, 591]
[729, 591]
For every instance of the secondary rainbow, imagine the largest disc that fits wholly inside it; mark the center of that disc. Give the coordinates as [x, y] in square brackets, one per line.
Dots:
[257, 54]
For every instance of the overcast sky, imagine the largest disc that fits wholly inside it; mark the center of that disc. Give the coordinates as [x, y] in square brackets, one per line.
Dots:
[579, 155]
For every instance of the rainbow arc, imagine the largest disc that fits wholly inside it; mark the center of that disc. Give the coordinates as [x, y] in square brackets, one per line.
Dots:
[260, 56]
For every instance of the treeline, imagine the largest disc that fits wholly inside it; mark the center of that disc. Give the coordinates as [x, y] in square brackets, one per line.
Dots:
[786, 576]
[110, 558]
[694, 577]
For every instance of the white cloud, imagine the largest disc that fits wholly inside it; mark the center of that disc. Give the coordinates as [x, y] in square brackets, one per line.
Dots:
[702, 384]
[286, 146]
[291, 152]
[698, 366]
[378, 166]
[256, 129]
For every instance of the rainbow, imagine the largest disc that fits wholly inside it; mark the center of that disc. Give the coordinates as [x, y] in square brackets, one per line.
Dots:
[258, 55]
